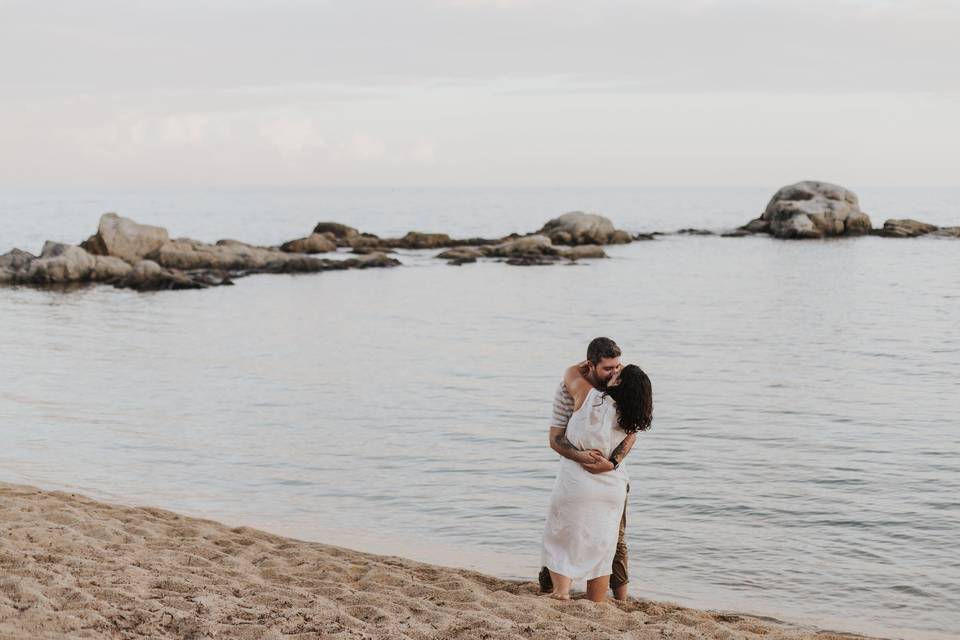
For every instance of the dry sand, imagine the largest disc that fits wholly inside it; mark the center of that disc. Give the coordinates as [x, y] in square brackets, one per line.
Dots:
[72, 567]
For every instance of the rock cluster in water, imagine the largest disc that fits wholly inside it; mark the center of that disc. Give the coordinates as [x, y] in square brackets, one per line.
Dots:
[143, 257]
[571, 237]
[130, 255]
[812, 209]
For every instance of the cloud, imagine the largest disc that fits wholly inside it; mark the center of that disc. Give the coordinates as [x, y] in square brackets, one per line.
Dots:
[363, 146]
[423, 153]
[291, 134]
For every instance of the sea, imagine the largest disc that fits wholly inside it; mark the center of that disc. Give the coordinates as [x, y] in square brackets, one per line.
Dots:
[804, 459]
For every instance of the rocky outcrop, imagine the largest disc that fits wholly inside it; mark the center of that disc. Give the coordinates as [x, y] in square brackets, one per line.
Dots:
[813, 209]
[906, 228]
[187, 254]
[314, 243]
[576, 228]
[60, 264]
[571, 229]
[125, 239]
[147, 260]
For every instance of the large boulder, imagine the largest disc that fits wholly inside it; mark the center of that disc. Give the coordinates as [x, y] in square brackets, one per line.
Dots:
[13, 264]
[461, 255]
[906, 228]
[110, 269]
[342, 233]
[16, 260]
[314, 243]
[577, 227]
[125, 239]
[813, 209]
[61, 263]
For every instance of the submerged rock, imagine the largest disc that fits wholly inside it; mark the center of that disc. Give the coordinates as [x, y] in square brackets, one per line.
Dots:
[523, 251]
[584, 251]
[530, 261]
[947, 232]
[524, 246]
[461, 255]
[814, 209]
[369, 261]
[906, 228]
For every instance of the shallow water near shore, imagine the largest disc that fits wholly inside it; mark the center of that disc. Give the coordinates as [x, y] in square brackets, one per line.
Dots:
[804, 460]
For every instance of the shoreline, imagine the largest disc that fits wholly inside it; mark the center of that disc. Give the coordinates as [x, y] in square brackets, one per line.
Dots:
[72, 565]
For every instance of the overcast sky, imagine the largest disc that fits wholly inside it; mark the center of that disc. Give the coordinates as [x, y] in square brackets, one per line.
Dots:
[479, 92]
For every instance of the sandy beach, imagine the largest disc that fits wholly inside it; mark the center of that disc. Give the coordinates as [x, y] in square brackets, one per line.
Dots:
[72, 567]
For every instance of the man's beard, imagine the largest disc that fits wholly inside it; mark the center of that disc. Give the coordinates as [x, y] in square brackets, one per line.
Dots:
[597, 382]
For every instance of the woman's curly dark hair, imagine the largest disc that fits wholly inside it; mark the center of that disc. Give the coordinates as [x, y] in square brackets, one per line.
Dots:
[634, 398]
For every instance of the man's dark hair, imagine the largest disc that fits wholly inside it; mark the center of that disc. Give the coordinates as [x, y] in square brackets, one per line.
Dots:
[601, 348]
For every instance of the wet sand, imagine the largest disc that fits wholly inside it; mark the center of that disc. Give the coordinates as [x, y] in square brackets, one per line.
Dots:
[73, 567]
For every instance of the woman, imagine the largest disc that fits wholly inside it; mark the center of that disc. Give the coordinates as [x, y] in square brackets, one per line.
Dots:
[580, 537]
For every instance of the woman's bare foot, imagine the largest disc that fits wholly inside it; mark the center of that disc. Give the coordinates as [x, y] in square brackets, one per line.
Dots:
[559, 596]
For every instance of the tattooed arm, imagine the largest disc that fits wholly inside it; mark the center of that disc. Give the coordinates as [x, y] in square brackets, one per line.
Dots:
[560, 444]
[622, 449]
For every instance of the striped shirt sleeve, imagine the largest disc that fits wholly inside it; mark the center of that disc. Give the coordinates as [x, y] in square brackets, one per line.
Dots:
[562, 407]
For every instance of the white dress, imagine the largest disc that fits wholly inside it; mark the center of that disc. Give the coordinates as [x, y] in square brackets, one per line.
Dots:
[583, 523]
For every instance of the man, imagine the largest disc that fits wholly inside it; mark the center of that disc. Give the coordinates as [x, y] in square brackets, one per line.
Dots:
[602, 363]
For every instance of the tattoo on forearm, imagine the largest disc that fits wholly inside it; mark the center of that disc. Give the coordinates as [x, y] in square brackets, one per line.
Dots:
[563, 446]
[563, 443]
[617, 452]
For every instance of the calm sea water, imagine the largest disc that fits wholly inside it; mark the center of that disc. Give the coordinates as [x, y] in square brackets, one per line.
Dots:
[805, 456]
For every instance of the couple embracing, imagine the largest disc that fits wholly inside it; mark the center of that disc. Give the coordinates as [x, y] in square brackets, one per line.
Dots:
[598, 410]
